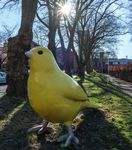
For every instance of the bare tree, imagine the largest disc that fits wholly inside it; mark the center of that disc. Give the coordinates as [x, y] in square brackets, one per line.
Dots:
[97, 29]
[17, 70]
[9, 4]
[40, 34]
[50, 19]
[129, 7]
[6, 33]
[72, 21]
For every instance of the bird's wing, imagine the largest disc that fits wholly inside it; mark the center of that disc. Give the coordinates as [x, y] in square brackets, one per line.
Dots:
[75, 92]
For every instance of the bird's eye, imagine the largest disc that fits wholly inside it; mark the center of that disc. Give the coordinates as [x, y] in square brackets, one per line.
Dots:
[40, 52]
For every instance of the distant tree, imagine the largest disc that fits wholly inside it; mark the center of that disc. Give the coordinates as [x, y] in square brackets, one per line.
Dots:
[5, 33]
[98, 28]
[40, 34]
[17, 46]
[48, 15]
[129, 7]
[71, 21]
[53, 19]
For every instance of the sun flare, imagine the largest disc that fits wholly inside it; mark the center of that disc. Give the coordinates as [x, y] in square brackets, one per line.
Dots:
[65, 9]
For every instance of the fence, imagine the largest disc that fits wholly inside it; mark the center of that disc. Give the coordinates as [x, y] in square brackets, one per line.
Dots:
[121, 71]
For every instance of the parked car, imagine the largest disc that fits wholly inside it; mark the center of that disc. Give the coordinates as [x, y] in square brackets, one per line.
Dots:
[2, 77]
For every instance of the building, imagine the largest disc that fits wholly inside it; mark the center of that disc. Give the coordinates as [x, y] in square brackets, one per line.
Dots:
[101, 65]
[116, 61]
[61, 54]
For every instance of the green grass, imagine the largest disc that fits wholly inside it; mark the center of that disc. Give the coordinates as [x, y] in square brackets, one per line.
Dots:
[113, 100]
[108, 129]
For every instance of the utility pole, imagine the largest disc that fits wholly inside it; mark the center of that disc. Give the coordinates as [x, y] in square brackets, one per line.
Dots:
[101, 59]
[108, 53]
[126, 60]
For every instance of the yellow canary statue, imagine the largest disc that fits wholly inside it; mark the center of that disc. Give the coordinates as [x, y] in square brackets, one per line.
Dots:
[54, 95]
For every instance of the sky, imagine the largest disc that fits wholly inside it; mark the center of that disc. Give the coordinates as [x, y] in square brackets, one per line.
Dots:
[124, 48]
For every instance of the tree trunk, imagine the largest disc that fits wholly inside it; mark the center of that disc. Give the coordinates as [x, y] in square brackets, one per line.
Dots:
[89, 67]
[79, 64]
[81, 70]
[53, 25]
[51, 44]
[17, 71]
[61, 37]
[67, 61]
[17, 46]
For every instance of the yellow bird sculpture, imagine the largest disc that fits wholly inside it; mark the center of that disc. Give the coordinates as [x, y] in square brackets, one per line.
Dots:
[54, 95]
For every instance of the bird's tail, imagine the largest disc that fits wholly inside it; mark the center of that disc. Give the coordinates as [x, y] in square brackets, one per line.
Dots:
[89, 104]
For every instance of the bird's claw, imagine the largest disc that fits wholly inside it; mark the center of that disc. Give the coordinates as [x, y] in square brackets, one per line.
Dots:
[35, 128]
[40, 128]
[68, 138]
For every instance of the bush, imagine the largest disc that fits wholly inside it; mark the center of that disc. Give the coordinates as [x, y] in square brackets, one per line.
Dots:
[3, 69]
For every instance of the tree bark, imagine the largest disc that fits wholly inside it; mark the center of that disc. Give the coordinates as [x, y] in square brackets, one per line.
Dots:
[16, 66]
[89, 67]
[80, 66]
[67, 60]
[51, 44]
[53, 25]
[17, 46]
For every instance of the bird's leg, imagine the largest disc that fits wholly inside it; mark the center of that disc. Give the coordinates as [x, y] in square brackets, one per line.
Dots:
[44, 127]
[40, 128]
[68, 137]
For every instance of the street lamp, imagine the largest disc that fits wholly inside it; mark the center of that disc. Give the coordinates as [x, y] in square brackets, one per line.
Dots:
[101, 58]
[108, 53]
[126, 59]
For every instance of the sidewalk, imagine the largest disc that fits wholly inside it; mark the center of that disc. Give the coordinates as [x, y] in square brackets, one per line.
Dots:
[125, 86]
[3, 89]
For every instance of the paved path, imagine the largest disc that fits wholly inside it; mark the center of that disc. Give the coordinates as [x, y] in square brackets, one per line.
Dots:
[3, 89]
[126, 87]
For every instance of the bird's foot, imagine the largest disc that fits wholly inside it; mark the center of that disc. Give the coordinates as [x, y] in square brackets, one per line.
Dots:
[68, 138]
[40, 128]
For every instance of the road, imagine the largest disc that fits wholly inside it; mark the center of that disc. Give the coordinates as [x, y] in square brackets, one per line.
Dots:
[3, 89]
[125, 86]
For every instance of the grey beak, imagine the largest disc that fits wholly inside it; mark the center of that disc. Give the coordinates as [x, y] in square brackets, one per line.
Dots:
[28, 54]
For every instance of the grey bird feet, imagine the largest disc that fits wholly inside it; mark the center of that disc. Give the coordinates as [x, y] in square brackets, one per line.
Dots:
[68, 138]
[39, 128]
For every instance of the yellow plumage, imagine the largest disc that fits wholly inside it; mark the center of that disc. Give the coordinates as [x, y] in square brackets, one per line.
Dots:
[53, 94]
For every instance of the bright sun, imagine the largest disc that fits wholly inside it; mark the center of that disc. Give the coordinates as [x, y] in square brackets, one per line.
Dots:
[65, 10]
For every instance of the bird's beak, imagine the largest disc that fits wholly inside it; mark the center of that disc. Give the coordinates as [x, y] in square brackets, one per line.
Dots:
[28, 54]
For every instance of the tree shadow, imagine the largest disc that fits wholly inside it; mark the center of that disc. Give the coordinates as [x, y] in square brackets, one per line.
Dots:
[14, 134]
[94, 133]
[7, 105]
[108, 87]
[98, 95]
[80, 82]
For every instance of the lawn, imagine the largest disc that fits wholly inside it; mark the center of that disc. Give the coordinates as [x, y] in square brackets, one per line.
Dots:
[109, 128]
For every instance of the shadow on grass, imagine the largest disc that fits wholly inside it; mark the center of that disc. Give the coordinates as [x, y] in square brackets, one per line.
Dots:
[94, 133]
[110, 88]
[98, 95]
[80, 82]
[13, 136]
[7, 105]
